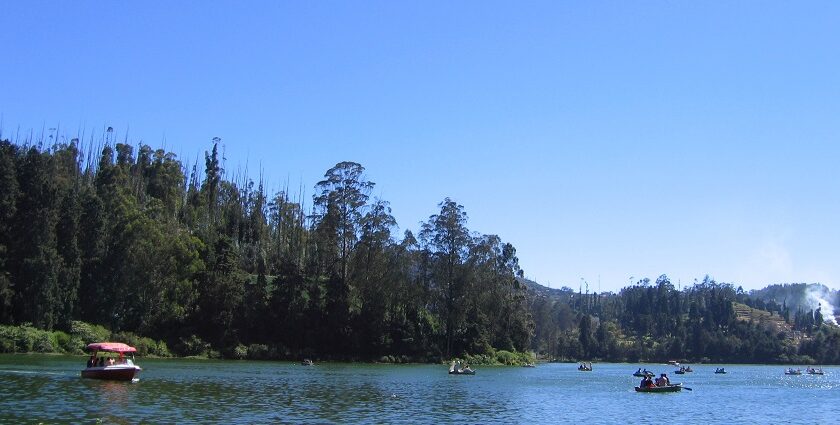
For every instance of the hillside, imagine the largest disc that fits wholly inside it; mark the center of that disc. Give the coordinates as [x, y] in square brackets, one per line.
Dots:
[774, 321]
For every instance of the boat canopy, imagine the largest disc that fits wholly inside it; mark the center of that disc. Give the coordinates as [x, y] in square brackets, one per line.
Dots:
[113, 347]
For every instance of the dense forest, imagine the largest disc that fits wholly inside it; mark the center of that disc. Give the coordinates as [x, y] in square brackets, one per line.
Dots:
[110, 241]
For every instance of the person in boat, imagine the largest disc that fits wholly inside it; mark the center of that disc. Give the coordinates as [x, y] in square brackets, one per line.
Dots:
[91, 361]
[101, 362]
[639, 371]
[661, 381]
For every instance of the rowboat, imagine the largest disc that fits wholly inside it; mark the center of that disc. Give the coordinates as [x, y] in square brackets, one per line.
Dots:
[458, 369]
[643, 374]
[120, 369]
[812, 371]
[664, 389]
[792, 371]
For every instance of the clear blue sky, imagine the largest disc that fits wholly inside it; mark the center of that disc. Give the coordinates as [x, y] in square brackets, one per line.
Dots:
[610, 139]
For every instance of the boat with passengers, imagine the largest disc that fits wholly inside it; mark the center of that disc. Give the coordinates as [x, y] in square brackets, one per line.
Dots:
[121, 368]
[671, 388]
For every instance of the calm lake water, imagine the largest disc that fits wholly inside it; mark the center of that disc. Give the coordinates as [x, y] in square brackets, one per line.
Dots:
[48, 389]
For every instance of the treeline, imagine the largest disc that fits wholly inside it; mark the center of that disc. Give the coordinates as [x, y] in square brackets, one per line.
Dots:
[657, 322]
[186, 260]
[138, 243]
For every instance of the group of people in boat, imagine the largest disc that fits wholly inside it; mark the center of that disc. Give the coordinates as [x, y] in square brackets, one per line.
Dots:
[457, 367]
[110, 361]
[649, 382]
[643, 372]
[584, 367]
[720, 370]
[101, 362]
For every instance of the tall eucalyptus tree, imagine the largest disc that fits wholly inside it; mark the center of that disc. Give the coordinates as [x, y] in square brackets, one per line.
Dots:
[447, 239]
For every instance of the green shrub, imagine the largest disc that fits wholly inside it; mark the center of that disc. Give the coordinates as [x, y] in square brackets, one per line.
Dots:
[8, 339]
[63, 341]
[89, 333]
[44, 342]
[193, 346]
[239, 352]
[258, 352]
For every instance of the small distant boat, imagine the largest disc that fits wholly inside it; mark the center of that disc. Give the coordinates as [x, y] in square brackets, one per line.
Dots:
[643, 373]
[818, 371]
[792, 371]
[720, 370]
[689, 369]
[307, 362]
[683, 370]
[664, 389]
[457, 369]
[119, 369]
[529, 365]
[585, 368]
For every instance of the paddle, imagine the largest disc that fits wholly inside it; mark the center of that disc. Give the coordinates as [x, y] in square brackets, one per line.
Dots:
[686, 388]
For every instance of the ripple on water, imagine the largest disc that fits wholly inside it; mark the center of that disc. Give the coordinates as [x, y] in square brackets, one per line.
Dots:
[34, 389]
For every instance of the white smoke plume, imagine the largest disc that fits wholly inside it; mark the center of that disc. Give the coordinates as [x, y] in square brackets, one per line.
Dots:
[817, 296]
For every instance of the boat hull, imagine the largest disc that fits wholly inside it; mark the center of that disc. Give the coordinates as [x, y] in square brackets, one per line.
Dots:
[667, 389]
[112, 373]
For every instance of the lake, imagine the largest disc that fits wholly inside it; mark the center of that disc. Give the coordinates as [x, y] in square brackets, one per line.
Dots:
[48, 389]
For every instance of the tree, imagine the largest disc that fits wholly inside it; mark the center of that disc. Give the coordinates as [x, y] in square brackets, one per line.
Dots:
[447, 238]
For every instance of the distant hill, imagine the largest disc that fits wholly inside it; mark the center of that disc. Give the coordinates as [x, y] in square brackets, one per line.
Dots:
[538, 290]
[802, 296]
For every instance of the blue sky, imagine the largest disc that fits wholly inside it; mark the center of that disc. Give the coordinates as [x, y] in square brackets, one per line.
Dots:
[605, 140]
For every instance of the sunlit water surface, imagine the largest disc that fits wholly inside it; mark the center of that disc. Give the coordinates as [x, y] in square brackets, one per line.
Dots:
[48, 389]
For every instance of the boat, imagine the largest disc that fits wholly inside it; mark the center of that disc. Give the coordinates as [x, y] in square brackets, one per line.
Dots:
[818, 371]
[792, 371]
[689, 369]
[307, 362]
[120, 369]
[643, 373]
[680, 372]
[720, 370]
[457, 369]
[663, 389]
[585, 368]
[529, 365]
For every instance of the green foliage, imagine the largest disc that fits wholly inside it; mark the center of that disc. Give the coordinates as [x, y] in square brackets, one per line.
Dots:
[128, 242]
[88, 333]
[145, 346]
[193, 346]
[28, 339]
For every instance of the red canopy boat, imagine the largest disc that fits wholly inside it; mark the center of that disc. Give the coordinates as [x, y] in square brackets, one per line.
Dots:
[120, 369]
